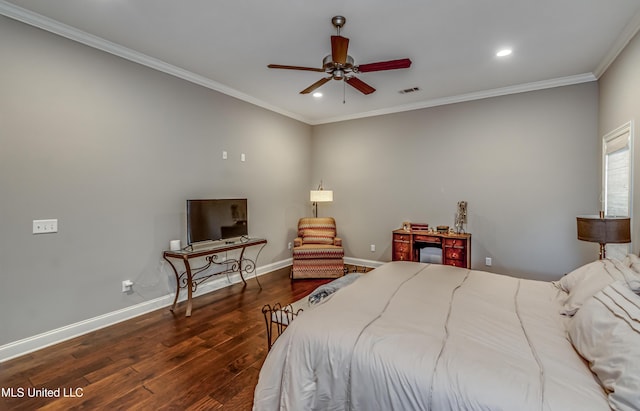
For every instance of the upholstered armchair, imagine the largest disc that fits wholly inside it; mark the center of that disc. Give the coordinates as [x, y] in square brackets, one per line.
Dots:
[317, 251]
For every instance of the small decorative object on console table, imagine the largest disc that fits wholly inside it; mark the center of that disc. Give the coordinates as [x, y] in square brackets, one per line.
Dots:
[604, 229]
[190, 279]
[456, 248]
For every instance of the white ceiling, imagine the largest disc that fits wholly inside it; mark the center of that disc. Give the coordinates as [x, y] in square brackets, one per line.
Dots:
[226, 45]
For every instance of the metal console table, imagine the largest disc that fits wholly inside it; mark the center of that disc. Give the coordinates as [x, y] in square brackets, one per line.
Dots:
[190, 278]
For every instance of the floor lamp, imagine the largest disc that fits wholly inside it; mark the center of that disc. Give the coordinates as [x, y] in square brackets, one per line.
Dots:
[320, 196]
[604, 230]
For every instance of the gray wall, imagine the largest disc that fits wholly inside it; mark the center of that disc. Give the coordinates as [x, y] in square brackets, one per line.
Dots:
[112, 149]
[619, 104]
[527, 165]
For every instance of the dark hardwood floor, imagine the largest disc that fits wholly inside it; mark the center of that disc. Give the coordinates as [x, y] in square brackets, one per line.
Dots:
[161, 360]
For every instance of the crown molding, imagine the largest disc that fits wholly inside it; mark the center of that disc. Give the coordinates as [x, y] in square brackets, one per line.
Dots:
[503, 91]
[37, 20]
[630, 30]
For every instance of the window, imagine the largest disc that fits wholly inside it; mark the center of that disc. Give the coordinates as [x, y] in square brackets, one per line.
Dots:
[617, 164]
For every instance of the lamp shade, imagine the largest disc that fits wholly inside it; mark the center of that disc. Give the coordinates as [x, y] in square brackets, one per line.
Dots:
[604, 230]
[321, 196]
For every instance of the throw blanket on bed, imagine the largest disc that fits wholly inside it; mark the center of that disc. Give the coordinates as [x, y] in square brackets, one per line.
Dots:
[326, 290]
[412, 336]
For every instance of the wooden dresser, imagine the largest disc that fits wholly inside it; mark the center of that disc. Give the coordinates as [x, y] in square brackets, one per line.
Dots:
[456, 248]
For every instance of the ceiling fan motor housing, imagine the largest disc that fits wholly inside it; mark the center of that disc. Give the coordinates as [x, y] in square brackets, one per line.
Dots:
[329, 65]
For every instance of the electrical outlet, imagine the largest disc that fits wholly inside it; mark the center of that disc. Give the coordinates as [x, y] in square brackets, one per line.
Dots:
[488, 261]
[373, 248]
[289, 245]
[45, 226]
[127, 285]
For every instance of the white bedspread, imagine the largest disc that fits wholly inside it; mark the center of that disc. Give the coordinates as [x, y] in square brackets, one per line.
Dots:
[413, 336]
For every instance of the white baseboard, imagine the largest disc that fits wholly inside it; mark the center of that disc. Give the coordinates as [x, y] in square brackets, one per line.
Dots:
[30, 344]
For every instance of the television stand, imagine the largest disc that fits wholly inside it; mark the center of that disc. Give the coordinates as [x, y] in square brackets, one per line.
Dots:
[190, 278]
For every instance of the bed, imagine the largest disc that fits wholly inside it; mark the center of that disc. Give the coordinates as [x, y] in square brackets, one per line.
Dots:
[415, 336]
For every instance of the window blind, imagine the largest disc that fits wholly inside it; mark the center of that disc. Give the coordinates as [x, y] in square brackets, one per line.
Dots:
[617, 163]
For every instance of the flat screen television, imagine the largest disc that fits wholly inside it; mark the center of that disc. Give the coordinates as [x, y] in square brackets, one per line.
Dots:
[216, 219]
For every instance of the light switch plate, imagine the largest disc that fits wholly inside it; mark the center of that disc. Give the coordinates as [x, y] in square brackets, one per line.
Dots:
[45, 226]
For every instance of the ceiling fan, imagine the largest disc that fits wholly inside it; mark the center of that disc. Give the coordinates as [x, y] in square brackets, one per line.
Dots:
[340, 66]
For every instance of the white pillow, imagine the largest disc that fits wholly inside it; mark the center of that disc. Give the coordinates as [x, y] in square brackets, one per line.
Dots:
[587, 280]
[606, 332]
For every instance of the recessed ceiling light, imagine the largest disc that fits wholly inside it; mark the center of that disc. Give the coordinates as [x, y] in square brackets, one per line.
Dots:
[504, 52]
[317, 94]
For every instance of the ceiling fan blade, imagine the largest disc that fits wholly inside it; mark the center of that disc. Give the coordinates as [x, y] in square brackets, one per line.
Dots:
[315, 85]
[339, 46]
[280, 66]
[360, 85]
[385, 65]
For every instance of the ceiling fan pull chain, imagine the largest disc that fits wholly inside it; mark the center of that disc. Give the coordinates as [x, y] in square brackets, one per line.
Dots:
[344, 91]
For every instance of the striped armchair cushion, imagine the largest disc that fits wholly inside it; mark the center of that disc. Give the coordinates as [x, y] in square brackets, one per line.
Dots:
[320, 223]
[318, 236]
[317, 252]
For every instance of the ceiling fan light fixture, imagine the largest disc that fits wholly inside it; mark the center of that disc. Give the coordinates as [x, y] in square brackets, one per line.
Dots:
[338, 74]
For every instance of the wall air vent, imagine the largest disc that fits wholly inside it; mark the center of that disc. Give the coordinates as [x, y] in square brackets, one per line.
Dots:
[409, 90]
